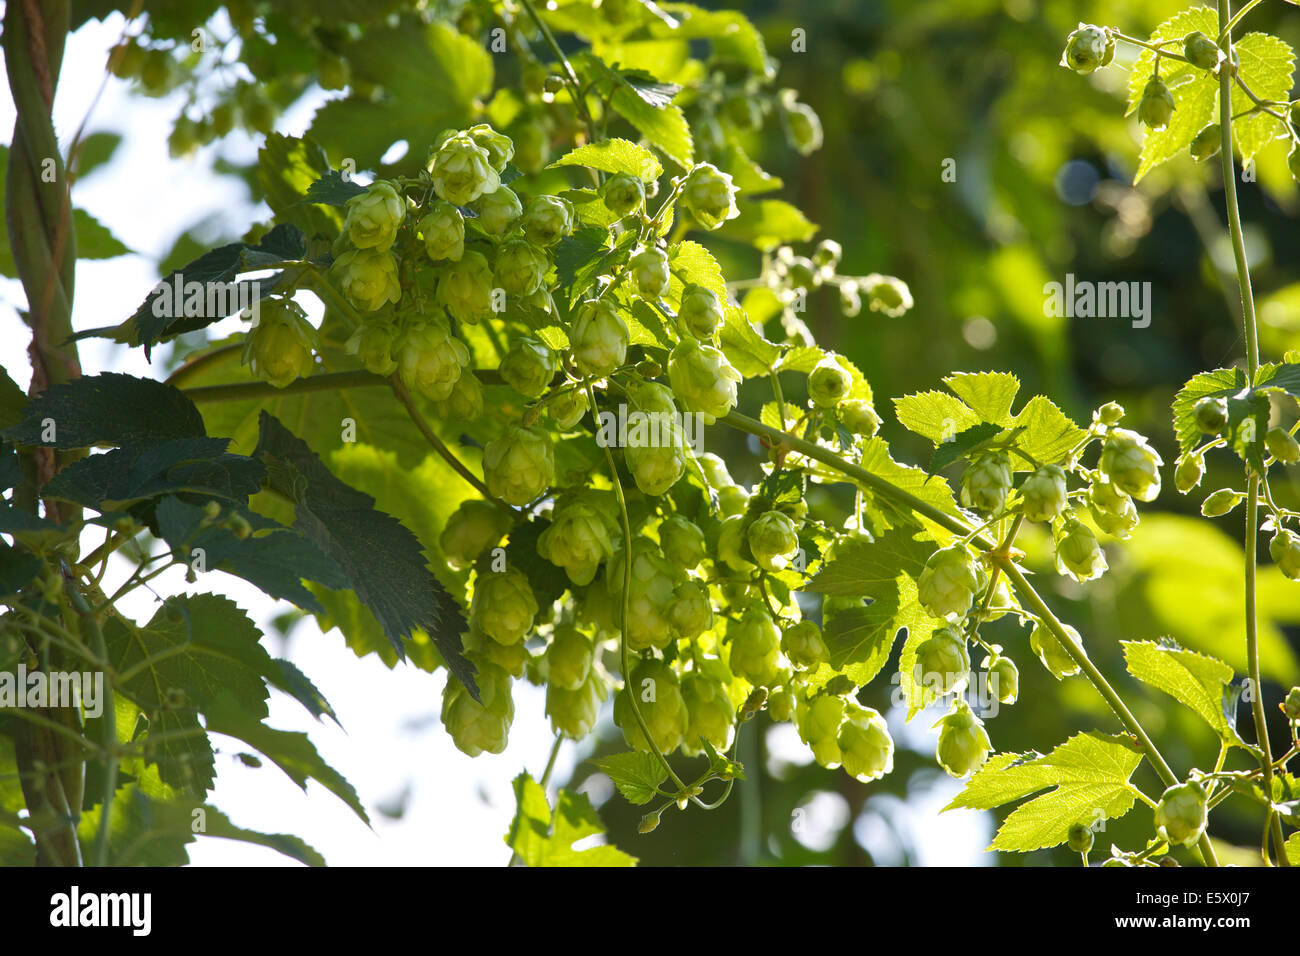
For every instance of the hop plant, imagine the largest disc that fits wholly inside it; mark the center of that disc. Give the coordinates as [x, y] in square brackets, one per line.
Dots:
[498, 211]
[1202, 52]
[472, 528]
[519, 466]
[650, 272]
[504, 606]
[818, 722]
[599, 338]
[430, 359]
[1078, 554]
[465, 403]
[943, 661]
[465, 289]
[701, 312]
[578, 540]
[1131, 464]
[682, 541]
[986, 483]
[279, 348]
[443, 231]
[1181, 814]
[373, 217]
[731, 540]
[1079, 838]
[500, 150]
[709, 195]
[479, 726]
[567, 407]
[547, 220]
[1285, 551]
[1291, 706]
[859, 417]
[1156, 107]
[1044, 493]
[1211, 414]
[529, 367]
[802, 643]
[1049, 650]
[963, 742]
[1088, 48]
[659, 462]
[650, 596]
[710, 714]
[520, 267]
[368, 278]
[1113, 510]
[462, 170]
[575, 712]
[372, 343]
[828, 383]
[1003, 678]
[802, 126]
[865, 746]
[1189, 472]
[773, 540]
[1281, 444]
[659, 699]
[947, 585]
[690, 613]
[569, 658]
[755, 644]
[1207, 143]
[703, 379]
[623, 194]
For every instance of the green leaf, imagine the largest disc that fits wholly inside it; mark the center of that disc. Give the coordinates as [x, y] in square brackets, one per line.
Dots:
[961, 445]
[521, 553]
[1293, 849]
[12, 400]
[1220, 383]
[746, 175]
[95, 150]
[1089, 774]
[767, 223]
[732, 35]
[937, 416]
[332, 189]
[17, 570]
[1204, 684]
[1043, 432]
[1247, 408]
[1266, 66]
[862, 568]
[380, 558]
[108, 409]
[883, 512]
[988, 394]
[614, 156]
[183, 821]
[94, 240]
[637, 775]
[545, 839]
[664, 127]
[288, 168]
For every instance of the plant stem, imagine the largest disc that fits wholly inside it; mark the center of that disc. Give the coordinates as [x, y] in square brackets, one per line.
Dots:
[570, 77]
[1225, 33]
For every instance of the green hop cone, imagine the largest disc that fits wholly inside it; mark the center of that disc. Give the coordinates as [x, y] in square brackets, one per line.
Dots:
[368, 278]
[1109, 414]
[659, 699]
[682, 542]
[946, 586]
[479, 727]
[650, 272]
[472, 528]
[373, 217]
[1113, 510]
[818, 722]
[802, 127]
[963, 742]
[1156, 107]
[1078, 555]
[986, 483]
[529, 367]
[465, 288]
[462, 171]
[465, 403]
[888, 295]
[828, 383]
[623, 194]
[709, 195]
[659, 461]
[521, 267]
[569, 658]
[1181, 814]
[731, 544]
[443, 231]
[1219, 503]
[755, 642]
[781, 705]
[1202, 52]
[567, 408]
[866, 748]
[701, 312]
[1003, 678]
[504, 606]
[859, 417]
[703, 380]
[1044, 493]
[547, 220]
[650, 597]
[578, 540]
[519, 466]
[1291, 706]
[1079, 838]
[1211, 415]
[498, 146]
[802, 643]
[279, 347]
[599, 338]
[733, 500]
[773, 540]
[574, 712]
[1131, 464]
[431, 360]
[1088, 48]
[1049, 650]
[1189, 472]
[1206, 144]
[1282, 445]
[943, 661]
[373, 345]
[691, 613]
[498, 211]
[710, 714]
[1285, 551]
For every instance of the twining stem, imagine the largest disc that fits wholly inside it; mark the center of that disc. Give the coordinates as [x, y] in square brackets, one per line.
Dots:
[570, 77]
[1225, 33]
[1251, 543]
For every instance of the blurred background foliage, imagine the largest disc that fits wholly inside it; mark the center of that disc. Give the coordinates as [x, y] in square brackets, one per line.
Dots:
[1044, 161]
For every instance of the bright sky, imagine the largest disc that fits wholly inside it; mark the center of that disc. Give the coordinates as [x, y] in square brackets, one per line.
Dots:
[459, 808]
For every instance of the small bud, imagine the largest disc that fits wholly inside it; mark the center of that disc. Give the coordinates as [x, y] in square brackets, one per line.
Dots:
[1220, 502]
[1188, 474]
[649, 823]
[1181, 814]
[1211, 415]
[1282, 445]
[1088, 48]
[1291, 706]
[1156, 107]
[1202, 52]
[1285, 551]
[1207, 143]
[1080, 838]
[1110, 413]
[623, 194]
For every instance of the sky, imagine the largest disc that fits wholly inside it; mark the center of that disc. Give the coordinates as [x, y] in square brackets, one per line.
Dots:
[391, 745]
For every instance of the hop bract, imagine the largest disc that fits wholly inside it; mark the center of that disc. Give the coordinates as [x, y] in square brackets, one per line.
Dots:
[650, 272]
[701, 312]
[1285, 551]
[528, 367]
[866, 748]
[520, 465]
[498, 211]
[828, 383]
[465, 289]
[682, 541]
[1044, 493]
[986, 483]
[756, 648]
[1088, 48]
[803, 645]
[703, 379]
[479, 727]
[660, 702]
[373, 217]
[521, 267]
[659, 462]
[1049, 650]
[731, 539]
[599, 338]
[472, 528]
[1079, 838]
[567, 407]
[443, 229]
[1156, 107]
[504, 606]
[1291, 705]
[430, 359]
[465, 403]
[499, 148]
[947, 584]
[1189, 472]
[773, 540]
[709, 195]
[1181, 814]
[547, 220]
[462, 171]
[368, 278]
[279, 347]
[710, 714]
[623, 194]
[943, 661]
[1207, 143]
[1113, 510]
[1131, 464]
[963, 742]
[577, 540]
